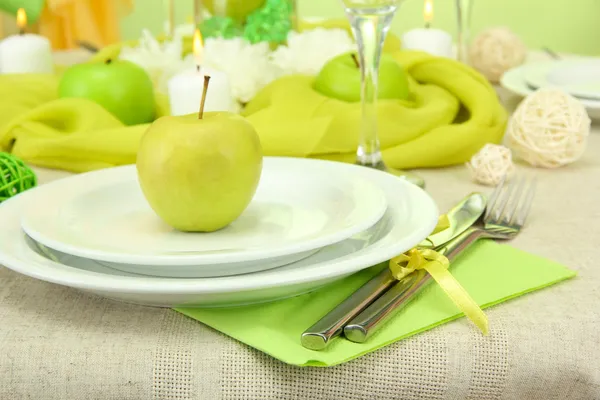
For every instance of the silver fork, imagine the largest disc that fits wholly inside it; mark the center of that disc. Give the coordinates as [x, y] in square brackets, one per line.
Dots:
[504, 218]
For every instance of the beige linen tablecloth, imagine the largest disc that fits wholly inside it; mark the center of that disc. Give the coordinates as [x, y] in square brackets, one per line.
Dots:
[58, 343]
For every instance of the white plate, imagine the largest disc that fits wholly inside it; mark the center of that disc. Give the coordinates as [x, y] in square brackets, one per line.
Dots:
[300, 206]
[409, 219]
[514, 81]
[580, 78]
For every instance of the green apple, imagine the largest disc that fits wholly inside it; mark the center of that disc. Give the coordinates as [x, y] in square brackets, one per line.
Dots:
[236, 9]
[120, 86]
[199, 175]
[340, 79]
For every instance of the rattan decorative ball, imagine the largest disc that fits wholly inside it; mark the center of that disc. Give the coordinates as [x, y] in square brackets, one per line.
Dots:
[492, 163]
[496, 50]
[15, 176]
[549, 129]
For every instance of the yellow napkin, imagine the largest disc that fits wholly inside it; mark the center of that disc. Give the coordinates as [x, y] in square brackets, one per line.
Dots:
[72, 134]
[453, 113]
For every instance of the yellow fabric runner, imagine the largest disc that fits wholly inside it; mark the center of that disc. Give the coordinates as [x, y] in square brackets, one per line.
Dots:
[65, 22]
[437, 266]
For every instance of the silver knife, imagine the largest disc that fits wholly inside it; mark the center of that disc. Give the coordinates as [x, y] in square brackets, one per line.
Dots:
[373, 317]
[320, 335]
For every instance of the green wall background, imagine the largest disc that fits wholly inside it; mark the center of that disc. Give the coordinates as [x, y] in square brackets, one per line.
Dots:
[563, 25]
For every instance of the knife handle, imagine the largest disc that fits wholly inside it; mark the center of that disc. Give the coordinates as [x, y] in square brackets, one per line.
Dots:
[318, 336]
[372, 318]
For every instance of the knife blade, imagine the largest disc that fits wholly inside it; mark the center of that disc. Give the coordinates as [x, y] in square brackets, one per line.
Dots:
[320, 335]
[460, 218]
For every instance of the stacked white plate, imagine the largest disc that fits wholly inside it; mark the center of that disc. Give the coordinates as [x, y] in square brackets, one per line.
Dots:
[578, 77]
[310, 223]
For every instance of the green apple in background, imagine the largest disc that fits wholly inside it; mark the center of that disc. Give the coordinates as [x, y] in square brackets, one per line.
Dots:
[340, 79]
[236, 9]
[199, 175]
[120, 86]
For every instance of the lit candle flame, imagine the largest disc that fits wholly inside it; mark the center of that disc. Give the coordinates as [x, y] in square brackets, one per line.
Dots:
[198, 47]
[428, 12]
[21, 19]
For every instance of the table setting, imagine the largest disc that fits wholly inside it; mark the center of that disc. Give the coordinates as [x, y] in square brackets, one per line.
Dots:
[258, 205]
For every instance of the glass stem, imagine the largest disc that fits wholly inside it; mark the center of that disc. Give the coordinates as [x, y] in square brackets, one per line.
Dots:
[370, 28]
[463, 13]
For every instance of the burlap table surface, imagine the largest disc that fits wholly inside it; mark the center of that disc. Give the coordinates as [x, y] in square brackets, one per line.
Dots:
[58, 343]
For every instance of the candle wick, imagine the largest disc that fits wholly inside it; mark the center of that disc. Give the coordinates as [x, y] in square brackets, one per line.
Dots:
[427, 25]
[197, 67]
[355, 60]
[22, 31]
[203, 101]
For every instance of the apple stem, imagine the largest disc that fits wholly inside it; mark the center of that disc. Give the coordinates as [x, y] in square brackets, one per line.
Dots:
[355, 60]
[204, 91]
[108, 61]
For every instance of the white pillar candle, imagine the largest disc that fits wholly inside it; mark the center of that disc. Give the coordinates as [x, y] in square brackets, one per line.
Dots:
[432, 41]
[185, 89]
[185, 92]
[26, 52]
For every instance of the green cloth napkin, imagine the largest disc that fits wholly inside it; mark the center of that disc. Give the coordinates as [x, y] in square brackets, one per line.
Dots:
[77, 135]
[492, 273]
[453, 113]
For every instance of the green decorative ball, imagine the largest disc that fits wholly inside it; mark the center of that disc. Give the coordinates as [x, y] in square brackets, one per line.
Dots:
[271, 23]
[15, 176]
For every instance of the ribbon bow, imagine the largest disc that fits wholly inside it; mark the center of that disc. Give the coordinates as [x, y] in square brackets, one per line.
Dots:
[437, 265]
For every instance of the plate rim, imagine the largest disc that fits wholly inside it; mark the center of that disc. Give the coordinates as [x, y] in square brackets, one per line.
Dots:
[535, 74]
[376, 213]
[514, 81]
[94, 281]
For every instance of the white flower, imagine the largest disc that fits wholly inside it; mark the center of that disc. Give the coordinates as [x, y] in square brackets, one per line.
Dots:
[307, 52]
[161, 61]
[248, 66]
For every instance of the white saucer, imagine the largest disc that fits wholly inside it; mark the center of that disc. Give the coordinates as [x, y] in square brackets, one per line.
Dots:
[514, 81]
[300, 206]
[409, 219]
[580, 78]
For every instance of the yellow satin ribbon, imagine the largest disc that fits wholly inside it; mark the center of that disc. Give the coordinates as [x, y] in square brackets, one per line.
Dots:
[437, 266]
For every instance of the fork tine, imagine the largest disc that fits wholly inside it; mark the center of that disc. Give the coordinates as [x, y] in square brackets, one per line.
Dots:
[513, 206]
[521, 214]
[503, 202]
[493, 197]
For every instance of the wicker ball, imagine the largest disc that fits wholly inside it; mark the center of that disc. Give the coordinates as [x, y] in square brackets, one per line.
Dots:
[15, 176]
[549, 129]
[492, 163]
[495, 51]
